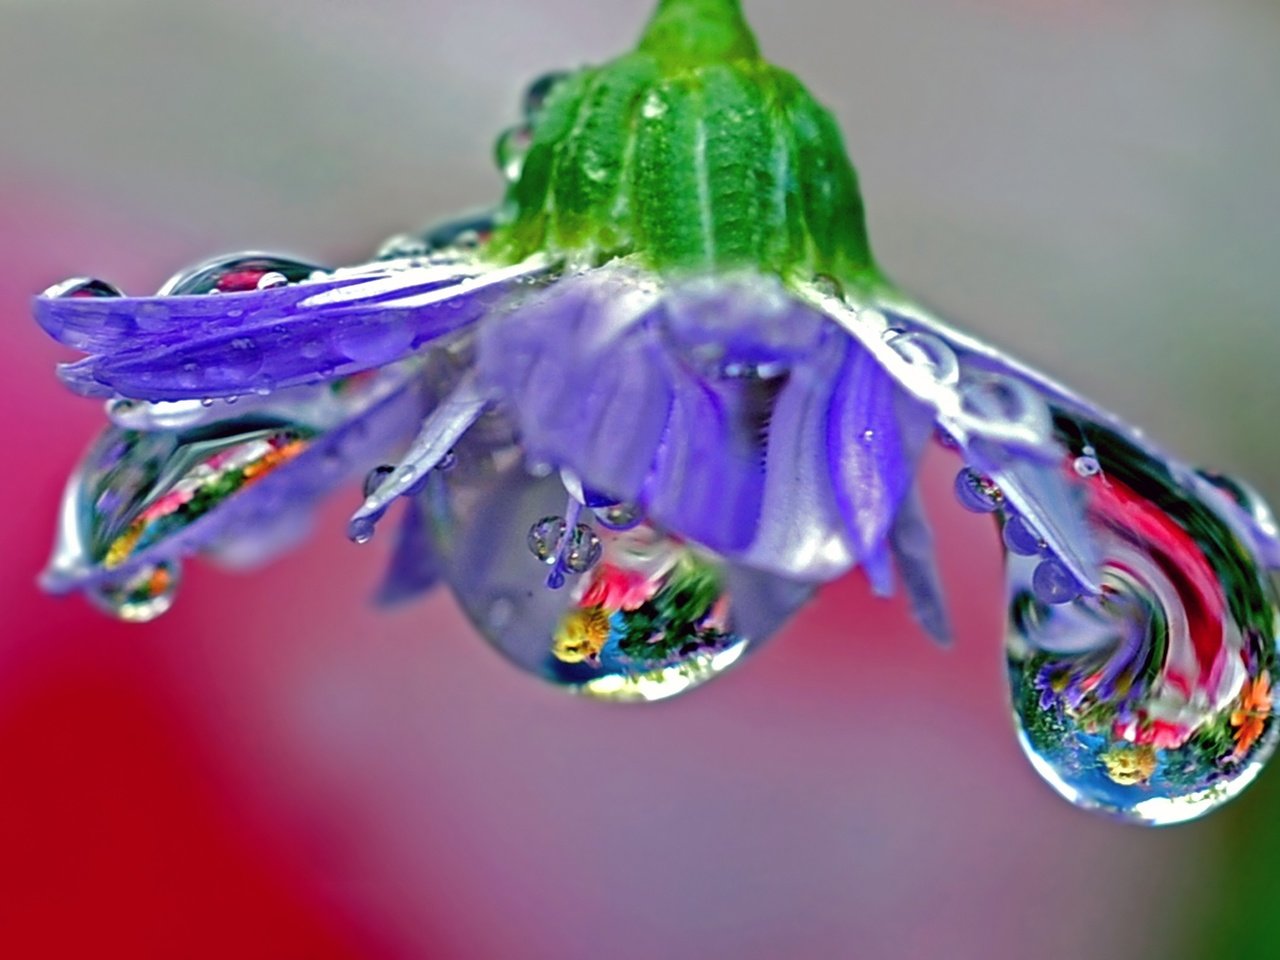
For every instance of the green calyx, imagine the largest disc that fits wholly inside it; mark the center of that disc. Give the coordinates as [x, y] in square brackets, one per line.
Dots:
[691, 153]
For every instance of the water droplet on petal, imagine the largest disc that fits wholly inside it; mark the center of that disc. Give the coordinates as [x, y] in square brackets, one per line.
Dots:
[1019, 538]
[976, 492]
[535, 96]
[1053, 583]
[237, 273]
[583, 550]
[510, 149]
[545, 536]
[376, 477]
[82, 287]
[1151, 701]
[928, 352]
[142, 596]
[1086, 466]
[619, 516]
[632, 615]
[361, 529]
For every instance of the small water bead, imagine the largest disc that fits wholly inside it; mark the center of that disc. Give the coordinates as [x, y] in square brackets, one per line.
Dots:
[83, 287]
[361, 529]
[545, 536]
[510, 149]
[448, 461]
[1151, 701]
[619, 516]
[1086, 466]
[537, 93]
[976, 492]
[238, 273]
[376, 477]
[583, 551]
[1053, 583]
[927, 351]
[1019, 538]
[142, 596]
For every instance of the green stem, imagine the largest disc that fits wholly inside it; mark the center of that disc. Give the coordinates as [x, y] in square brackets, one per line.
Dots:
[686, 33]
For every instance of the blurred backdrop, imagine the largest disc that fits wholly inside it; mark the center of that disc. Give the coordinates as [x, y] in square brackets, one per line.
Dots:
[275, 770]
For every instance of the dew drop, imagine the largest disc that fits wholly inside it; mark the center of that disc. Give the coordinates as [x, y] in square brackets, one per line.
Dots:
[583, 550]
[1151, 701]
[361, 529]
[619, 516]
[142, 596]
[82, 287]
[1086, 466]
[545, 536]
[376, 477]
[624, 615]
[930, 353]
[976, 492]
[1019, 538]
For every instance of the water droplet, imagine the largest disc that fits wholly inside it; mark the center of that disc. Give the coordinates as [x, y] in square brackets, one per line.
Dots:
[1053, 583]
[1019, 538]
[82, 287]
[361, 529]
[1086, 466]
[1151, 701]
[583, 550]
[976, 492]
[448, 461]
[648, 617]
[545, 536]
[510, 149]
[376, 477]
[619, 516]
[928, 352]
[237, 273]
[537, 93]
[142, 596]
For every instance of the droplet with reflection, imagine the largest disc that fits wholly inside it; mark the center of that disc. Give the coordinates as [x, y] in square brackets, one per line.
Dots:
[1150, 701]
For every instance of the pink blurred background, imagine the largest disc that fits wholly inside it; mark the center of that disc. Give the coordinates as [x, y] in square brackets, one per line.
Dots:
[276, 770]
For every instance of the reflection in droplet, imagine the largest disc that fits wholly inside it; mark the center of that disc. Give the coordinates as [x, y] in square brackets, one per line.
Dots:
[1151, 701]
[142, 595]
[237, 273]
[624, 614]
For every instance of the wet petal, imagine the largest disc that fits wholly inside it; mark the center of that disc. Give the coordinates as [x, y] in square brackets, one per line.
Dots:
[142, 499]
[202, 346]
[415, 562]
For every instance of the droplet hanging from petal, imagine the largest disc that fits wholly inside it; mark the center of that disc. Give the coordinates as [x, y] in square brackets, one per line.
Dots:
[625, 614]
[1150, 701]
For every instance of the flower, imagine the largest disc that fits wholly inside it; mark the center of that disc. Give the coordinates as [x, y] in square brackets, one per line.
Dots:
[664, 375]
[1250, 718]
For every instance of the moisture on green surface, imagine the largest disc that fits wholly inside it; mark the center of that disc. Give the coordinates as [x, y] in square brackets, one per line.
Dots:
[692, 153]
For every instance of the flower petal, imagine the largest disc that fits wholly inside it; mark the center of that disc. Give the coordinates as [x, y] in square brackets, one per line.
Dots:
[185, 347]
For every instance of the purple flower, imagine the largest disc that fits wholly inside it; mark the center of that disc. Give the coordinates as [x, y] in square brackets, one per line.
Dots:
[650, 404]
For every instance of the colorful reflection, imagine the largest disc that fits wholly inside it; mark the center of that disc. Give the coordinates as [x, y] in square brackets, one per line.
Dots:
[1152, 700]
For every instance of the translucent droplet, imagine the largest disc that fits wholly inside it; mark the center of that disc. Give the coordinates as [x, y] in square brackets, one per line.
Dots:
[929, 352]
[545, 536]
[583, 550]
[1151, 701]
[535, 96]
[619, 516]
[632, 615]
[1086, 466]
[376, 477]
[1019, 538]
[83, 287]
[510, 149]
[361, 529]
[143, 595]
[237, 273]
[976, 492]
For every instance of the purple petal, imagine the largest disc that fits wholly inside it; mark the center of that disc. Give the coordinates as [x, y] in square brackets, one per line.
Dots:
[415, 562]
[912, 544]
[187, 347]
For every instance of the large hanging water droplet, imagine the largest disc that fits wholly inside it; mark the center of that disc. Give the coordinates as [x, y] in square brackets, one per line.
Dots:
[639, 615]
[1151, 701]
[142, 596]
